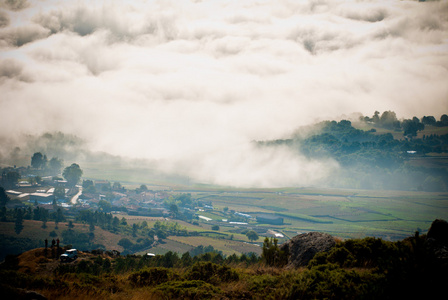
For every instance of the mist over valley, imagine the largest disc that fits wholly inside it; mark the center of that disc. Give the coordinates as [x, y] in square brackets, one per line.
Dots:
[223, 149]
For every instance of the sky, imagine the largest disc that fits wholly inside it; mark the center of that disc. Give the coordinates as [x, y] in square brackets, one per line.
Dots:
[189, 84]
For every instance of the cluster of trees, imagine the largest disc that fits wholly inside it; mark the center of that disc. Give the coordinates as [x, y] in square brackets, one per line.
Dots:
[165, 229]
[4, 198]
[40, 166]
[272, 255]
[371, 160]
[88, 186]
[181, 206]
[102, 219]
[126, 263]
[131, 247]
[18, 215]
[71, 173]
[201, 249]
[10, 177]
[80, 240]
[53, 166]
[388, 119]
[145, 235]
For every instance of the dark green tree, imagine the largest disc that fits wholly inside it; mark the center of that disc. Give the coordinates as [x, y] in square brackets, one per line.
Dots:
[87, 183]
[3, 197]
[28, 213]
[389, 120]
[429, 120]
[38, 160]
[60, 215]
[174, 209]
[115, 223]
[12, 177]
[252, 235]
[18, 226]
[185, 199]
[125, 243]
[59, 192]
[410, 127]
[134, 229]
[3, 214]
[44, 218]
[444, 120]
[376, 117]
[271, 253]
[70, 225]
[105, 206]
[72, 174]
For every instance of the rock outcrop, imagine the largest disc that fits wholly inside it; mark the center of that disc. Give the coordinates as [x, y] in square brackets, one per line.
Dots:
[303, 247]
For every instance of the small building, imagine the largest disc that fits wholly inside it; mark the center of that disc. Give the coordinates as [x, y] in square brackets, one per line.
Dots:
[274, 234]
[17, 195]
[60, 183]
[41, 197]
[270, 219]
[13, 193]
[238, 223]
[243, 215]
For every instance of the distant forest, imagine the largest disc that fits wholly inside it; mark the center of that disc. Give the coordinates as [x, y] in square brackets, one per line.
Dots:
[373, 160]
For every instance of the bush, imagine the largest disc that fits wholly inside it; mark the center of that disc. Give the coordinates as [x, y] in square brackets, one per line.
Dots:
[152, 276]
[212, 273]
[329, 281]
[365, 253]
[194, 289]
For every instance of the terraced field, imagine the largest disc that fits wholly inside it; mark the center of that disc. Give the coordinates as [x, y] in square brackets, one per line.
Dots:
[347, 213]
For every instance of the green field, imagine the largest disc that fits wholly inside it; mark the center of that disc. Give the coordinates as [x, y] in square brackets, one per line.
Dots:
[346, 213]
[391, 215]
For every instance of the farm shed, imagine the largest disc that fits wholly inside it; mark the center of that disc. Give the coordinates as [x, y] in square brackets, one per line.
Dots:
[268, 219]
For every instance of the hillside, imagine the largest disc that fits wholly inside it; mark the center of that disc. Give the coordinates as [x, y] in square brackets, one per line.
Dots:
[366, 268]
[376, 156]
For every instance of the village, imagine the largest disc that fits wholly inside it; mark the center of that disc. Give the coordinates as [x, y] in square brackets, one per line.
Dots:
[55, 194]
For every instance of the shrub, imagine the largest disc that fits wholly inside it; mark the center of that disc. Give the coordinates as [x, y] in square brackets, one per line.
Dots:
[152, 276]
[193, 289]
[212, 273]
[329, 281]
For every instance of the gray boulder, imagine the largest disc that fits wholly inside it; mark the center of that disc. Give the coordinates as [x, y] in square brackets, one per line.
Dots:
[303, 247]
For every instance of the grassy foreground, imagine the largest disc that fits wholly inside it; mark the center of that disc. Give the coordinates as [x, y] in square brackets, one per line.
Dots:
[368, 268]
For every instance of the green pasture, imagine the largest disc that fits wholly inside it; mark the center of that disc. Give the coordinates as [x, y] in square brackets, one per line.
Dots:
[228, 247]
[346, 213]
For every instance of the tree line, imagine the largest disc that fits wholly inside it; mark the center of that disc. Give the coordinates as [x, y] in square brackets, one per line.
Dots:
[370, 160]
[40, 165]
[388, 119]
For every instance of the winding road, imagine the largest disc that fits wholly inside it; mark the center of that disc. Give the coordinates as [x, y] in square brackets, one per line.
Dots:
[74, 199]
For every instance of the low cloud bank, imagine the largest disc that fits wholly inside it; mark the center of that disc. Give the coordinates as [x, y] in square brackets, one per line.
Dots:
[189, 84]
